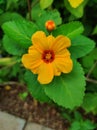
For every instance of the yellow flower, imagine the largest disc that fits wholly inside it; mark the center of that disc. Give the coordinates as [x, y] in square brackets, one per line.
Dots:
[75, 3]
[48, 56]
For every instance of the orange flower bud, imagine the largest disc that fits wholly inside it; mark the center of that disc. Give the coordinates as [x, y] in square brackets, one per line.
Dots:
[50, 25]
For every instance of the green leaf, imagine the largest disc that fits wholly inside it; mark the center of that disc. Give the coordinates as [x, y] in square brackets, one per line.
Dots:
[23, 95]
[77, 116]
[88, 61]
[36, 11]
[20, 31]
[70, 30]
[75, 125]
[77, 12]
[7, 16]
[15, 69]
[1, 11]
[95, 30]
[2, 2]
[88, 125]
[11, 4]
[81, 46]
[4, 73]
[91, 87]
[48, 15]
[82, 125]
[67, 90]
[79, 123]
[12, 47]
[35, 89]
[7, 61]
[1, 81]
[90, 103]
[45, 3]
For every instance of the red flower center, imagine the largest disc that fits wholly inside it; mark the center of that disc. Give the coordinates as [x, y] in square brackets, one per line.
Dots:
[48, 56]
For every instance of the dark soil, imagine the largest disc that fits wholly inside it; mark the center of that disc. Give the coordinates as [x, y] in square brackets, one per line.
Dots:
[30, 109]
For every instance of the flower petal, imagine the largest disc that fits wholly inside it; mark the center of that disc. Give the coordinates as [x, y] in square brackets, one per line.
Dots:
[46, 73]
[57, 72]
[60, 43]
[39, 41]
[64, 65]
[75, 3]
[63, 53]
[32, 61]
[50, 39]
[33, 50]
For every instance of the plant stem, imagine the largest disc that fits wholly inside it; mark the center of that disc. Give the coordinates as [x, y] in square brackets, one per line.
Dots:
[35, 2]
[91, 80]
[91, 69]
[29, 9]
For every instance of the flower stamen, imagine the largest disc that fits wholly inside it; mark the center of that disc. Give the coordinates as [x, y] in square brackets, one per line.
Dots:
[48, 56]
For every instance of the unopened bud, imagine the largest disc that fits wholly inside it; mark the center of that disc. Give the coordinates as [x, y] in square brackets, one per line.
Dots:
[50, 25]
